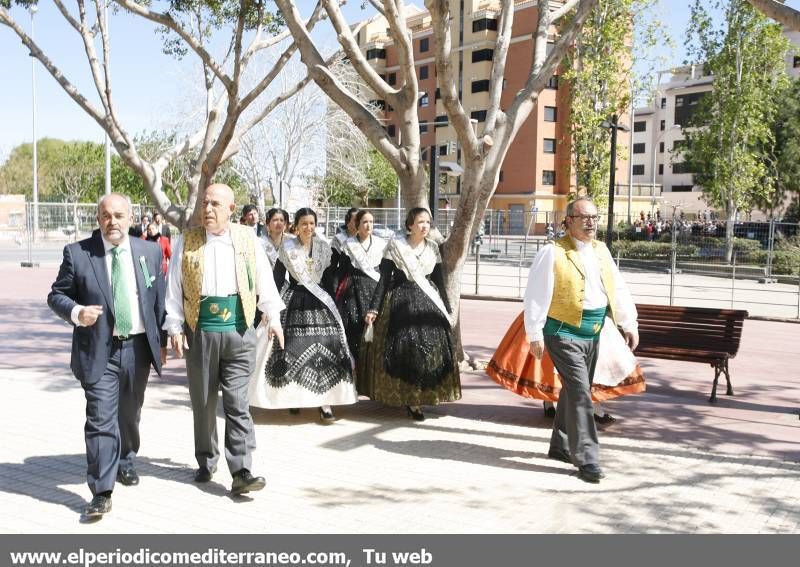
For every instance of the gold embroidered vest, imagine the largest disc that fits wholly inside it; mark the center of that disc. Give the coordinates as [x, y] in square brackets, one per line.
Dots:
[192, 270]
[569, 288]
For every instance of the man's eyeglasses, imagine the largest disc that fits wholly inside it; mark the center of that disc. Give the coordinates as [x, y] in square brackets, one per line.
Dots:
[584, 218]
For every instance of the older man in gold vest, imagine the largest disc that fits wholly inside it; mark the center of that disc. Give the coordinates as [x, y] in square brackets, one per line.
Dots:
[218, 275]
[572, 285]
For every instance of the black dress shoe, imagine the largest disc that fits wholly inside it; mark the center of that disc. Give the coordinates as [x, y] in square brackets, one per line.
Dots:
[127, 477]
[326, 416]
[559, 455]
[203, 474]
[590, 473]
[605, 419]
[415, 413]
[98, 506]
[244, 482]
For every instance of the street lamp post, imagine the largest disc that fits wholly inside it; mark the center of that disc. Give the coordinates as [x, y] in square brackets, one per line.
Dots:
[613, 125]
[35, 223]
[108, 140]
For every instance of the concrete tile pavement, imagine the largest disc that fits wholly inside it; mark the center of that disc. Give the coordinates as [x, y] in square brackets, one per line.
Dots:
[674, 462]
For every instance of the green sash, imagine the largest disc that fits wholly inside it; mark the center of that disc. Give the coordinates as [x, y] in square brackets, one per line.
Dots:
[591, 325]
[221, 314]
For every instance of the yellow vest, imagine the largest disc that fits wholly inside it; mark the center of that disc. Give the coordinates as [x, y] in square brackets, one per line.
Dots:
[569, 288]
[244, 252]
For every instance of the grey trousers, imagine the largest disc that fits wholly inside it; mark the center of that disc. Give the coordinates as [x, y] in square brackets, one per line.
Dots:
[221, 361]
[574, 429]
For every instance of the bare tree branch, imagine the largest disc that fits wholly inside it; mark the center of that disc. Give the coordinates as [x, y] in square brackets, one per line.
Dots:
[169, 22]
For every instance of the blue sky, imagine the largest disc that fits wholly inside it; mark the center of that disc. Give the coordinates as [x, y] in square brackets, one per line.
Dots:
[147, 83]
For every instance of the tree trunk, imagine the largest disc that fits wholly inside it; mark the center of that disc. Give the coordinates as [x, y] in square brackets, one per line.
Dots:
[730, 213]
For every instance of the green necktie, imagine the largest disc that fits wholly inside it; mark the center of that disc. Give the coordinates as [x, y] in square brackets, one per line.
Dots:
[122, 304]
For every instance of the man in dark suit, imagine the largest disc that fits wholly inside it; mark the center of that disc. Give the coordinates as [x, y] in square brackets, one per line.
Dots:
[111, 288]
[139, 228]
[163, 228]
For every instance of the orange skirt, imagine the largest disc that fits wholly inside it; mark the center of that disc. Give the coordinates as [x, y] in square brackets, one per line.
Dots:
[515, 369]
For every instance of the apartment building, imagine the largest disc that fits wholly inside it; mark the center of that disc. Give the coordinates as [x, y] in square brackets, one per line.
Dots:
[536, 173]
[658, 133]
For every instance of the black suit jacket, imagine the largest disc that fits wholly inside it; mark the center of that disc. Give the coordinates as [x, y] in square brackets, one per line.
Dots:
[83, 279]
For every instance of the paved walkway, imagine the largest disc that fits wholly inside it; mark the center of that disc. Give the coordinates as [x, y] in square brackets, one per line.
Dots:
[674, 462]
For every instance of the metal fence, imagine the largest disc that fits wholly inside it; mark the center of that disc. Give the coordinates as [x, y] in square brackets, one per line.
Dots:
[671, 261]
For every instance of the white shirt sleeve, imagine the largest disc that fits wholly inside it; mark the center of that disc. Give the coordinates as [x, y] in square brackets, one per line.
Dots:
[625, 308]
[539, 292]
[173, 323]
[269, 299]
[74, 315]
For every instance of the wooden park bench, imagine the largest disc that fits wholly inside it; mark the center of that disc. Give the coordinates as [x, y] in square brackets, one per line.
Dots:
[691, 334]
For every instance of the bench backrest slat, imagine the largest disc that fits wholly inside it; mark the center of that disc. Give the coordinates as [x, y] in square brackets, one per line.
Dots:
[700, 328]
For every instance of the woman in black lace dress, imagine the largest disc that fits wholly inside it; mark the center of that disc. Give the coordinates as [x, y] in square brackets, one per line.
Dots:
[359, 260]
[314, 369]
[411, 361]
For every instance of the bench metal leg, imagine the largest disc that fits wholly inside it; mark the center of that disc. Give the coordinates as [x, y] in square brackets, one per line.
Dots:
[728, 378]
[717, 372]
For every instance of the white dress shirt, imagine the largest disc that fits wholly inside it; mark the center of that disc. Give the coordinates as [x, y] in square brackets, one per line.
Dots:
[128, 266]
[219, 278]
[541, 279]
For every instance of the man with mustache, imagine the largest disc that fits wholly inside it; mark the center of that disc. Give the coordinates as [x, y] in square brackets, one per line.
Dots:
[111, 288]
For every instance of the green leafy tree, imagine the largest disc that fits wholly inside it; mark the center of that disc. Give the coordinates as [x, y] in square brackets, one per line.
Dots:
[599, 73]
[730, 136]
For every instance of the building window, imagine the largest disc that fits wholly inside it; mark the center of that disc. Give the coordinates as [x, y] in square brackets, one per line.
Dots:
[392, 78]
[423, 100]
[550, 114]
[661, 169]
[482, 55]
[424, 155]
[480, 86]
[662, 125]
[484, 24]
[663, 102]
[552, 82]
[479, 115]
[682, 188]
[438, 94]
[376, 53]
[661, 147]
[638, 169]
[423, 45]
[680, 167]
[423, 72]
[548, 177]
[639, 148]
[678, 146]
[640, 126]
[390, 130]
[440, 121]
[500, 179]
[549, 146]
[685, 107]
[423, 128]
[443, 150]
